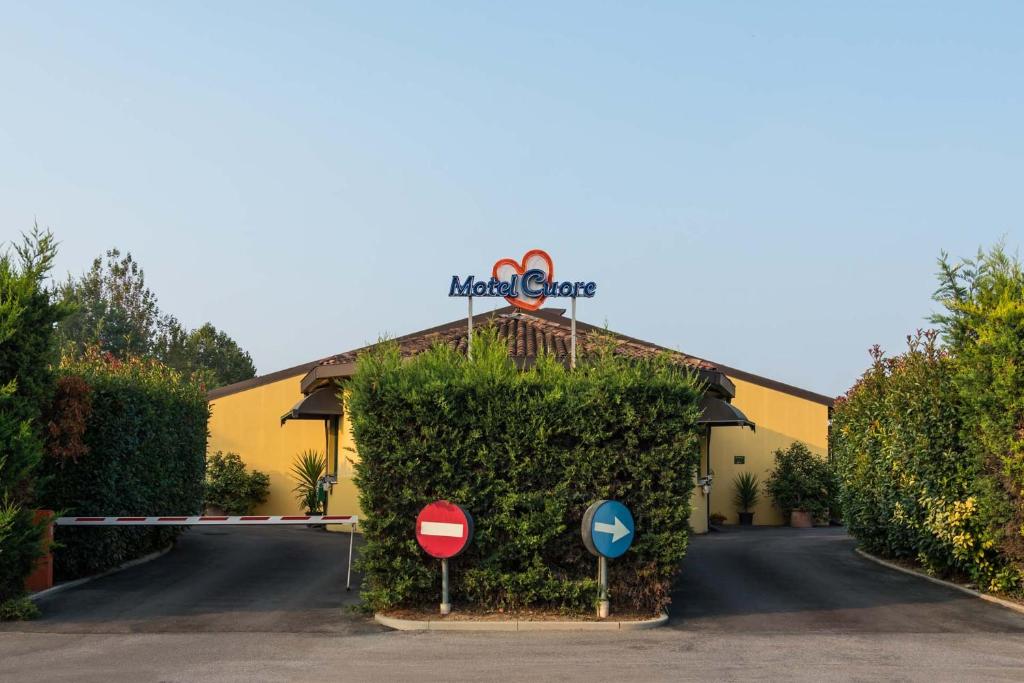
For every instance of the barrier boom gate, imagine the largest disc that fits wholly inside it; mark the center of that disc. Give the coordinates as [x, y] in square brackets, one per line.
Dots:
[229, 520]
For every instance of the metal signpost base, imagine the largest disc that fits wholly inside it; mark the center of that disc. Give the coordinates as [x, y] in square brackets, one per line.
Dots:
[351, 539]
[469, 332]
[602, 579]
[572, 342]
[446, 605]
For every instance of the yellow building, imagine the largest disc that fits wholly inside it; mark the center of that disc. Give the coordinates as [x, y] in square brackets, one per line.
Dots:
[269, 419]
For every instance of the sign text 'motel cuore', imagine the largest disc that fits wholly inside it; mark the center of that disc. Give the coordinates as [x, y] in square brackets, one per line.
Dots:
[533, 283]
[524, 283]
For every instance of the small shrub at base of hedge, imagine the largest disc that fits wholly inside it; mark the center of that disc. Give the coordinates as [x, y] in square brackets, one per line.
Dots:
[229, 487]
[18, 609]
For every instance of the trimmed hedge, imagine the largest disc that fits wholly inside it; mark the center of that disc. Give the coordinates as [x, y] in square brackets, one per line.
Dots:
[908, 491]
[525, 452]
[930, 444]
[144, 454]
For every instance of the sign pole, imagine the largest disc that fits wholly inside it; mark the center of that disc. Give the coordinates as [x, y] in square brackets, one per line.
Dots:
[444, 530]
[351, 539]
[446, 605]
[602, 577]
[572, 340]
[469, 338]
[608, 530]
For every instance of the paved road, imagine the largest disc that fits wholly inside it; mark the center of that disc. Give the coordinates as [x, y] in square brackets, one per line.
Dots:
[773, 604]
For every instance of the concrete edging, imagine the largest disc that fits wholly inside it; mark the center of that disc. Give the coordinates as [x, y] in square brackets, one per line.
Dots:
[516, 624]
[86, 579]
[1009, 604]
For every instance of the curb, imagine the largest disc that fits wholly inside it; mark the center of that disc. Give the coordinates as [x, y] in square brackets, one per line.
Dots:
[516, 624]
[1008, 604]
[60, 587]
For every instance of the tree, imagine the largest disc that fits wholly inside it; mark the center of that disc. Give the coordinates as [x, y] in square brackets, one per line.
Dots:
[114, 309]
[118, 314]
[206, 352]
[28, 313]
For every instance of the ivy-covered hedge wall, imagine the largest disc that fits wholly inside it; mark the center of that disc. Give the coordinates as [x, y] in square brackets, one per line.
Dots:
[525, 452]
[142, 452]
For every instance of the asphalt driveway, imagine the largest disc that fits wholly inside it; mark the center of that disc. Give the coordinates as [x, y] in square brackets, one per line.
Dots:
[286, 579]
[779, 580]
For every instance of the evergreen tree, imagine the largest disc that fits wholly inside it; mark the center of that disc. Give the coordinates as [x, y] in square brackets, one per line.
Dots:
[28, 313]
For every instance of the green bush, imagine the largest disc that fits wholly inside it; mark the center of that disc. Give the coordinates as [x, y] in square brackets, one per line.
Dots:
[18, 609]
[525, 451]
[908, 492]
[983, 331]
[229, 487]
[801, 481]
[144, 454]
[27, 352]
[930, 445]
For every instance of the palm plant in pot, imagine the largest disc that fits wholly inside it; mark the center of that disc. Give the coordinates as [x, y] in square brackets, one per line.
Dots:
[307, 468]
[746, 495]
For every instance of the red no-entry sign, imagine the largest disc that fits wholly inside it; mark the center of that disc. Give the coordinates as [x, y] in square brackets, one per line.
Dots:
[444, 529]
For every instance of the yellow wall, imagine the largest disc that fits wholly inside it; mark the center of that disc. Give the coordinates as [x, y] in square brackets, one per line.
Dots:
[781, 419]
[249, 423]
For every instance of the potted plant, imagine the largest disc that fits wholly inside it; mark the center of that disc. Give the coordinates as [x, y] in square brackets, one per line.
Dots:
[307, 469]
[716, 518]
[801, 485]
[746, 496]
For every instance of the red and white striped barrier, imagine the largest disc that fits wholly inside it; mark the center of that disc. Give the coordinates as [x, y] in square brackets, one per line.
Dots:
[204, 520]
[208, 520]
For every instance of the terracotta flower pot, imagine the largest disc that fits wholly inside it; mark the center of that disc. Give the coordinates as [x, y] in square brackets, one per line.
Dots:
[801, 519]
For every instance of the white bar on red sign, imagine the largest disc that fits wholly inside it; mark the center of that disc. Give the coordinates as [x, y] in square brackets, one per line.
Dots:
[203, 520]
[441, 529]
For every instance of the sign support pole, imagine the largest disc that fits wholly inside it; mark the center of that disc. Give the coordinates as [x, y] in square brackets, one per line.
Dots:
[469, 338]
[602, 579]
[446, 605]
[351, 538]
[572, 340]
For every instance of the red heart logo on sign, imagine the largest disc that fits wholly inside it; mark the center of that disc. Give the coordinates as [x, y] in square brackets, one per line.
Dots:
[535, 259]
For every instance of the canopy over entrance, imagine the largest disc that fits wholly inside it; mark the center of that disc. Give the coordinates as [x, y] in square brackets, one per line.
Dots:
[717, 413]
[322, 404]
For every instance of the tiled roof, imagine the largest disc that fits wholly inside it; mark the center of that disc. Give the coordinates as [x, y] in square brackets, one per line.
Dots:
[527, 337]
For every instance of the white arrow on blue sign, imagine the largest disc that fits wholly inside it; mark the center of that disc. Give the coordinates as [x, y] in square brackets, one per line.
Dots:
[608, 528]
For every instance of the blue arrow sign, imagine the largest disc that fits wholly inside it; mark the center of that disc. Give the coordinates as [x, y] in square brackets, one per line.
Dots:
[608, 528]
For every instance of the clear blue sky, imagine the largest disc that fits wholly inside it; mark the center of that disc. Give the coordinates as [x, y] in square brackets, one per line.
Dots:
[767, 185]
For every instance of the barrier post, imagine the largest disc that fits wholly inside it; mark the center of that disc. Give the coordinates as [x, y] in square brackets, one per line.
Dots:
[41, 577]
